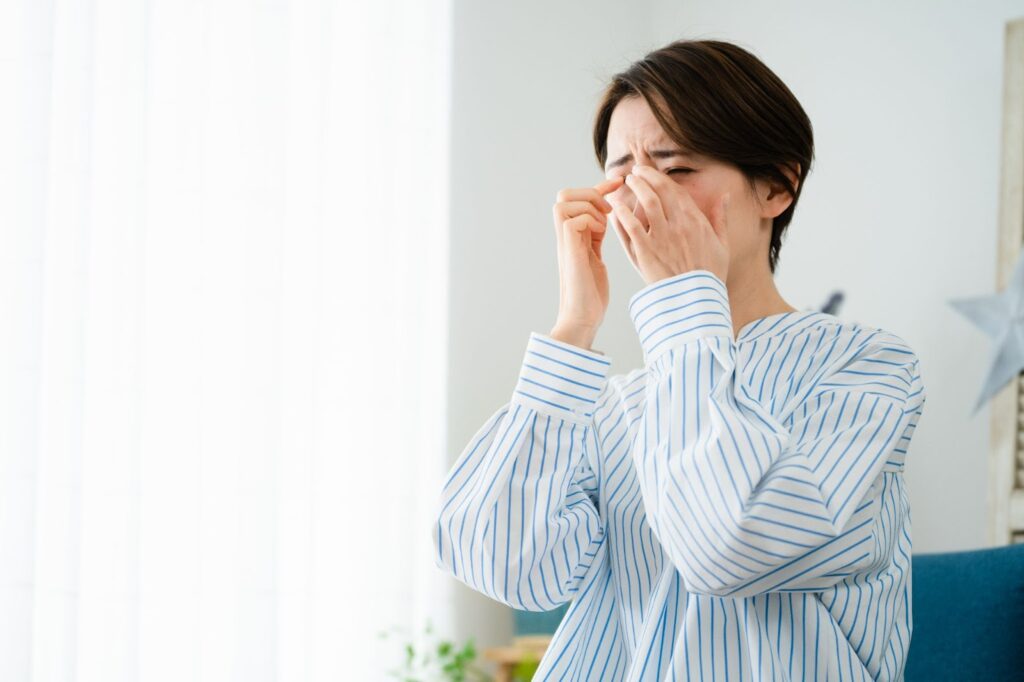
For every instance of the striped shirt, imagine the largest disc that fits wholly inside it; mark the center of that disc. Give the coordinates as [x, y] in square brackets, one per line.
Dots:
[734, 510]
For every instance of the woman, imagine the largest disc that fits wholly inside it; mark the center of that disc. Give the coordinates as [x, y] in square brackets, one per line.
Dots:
[736, 508]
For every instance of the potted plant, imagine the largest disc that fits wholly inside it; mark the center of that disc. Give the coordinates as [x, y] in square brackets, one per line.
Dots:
[437, 660]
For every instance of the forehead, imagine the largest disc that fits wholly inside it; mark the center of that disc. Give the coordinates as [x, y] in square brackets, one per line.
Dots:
[633, 123]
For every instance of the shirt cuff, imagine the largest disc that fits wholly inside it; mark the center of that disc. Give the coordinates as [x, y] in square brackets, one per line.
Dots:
[679, 309]
[561, 379]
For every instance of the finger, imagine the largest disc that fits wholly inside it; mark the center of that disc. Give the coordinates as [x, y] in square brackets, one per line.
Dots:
[719, 217]
[649, 199]
[647, 228]
[654, 177]
[633, 227]
[593, 194]
[582, 232]
[595, 243]
[609, 186]
[586, 223]
[570, 209]
[665, 187]
[563, 211]
[559, 248]
[592, 225]
[627, 245]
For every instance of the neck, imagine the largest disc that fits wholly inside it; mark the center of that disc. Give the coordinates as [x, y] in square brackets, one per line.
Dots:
[753, 295]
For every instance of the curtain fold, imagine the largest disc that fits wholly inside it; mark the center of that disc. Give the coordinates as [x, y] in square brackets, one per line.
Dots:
[224, 242]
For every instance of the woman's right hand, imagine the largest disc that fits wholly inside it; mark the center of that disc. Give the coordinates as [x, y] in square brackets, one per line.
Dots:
[580, 224]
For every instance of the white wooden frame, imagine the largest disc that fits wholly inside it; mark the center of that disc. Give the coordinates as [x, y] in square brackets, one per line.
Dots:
[1006, 463]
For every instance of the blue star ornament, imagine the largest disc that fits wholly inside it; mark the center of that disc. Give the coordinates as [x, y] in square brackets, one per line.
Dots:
[1001, 316]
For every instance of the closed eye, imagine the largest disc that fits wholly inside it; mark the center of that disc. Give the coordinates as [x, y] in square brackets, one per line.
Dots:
[679, 170]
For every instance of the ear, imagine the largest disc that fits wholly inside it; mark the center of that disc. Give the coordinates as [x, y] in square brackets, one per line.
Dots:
[774, 197]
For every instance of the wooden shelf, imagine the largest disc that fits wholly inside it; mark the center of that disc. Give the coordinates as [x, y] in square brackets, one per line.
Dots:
[527, 649]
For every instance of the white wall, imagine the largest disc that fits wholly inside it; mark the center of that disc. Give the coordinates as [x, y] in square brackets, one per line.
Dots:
[899, 210]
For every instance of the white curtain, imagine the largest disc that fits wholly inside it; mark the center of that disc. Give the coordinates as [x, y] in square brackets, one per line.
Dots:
[223, 228]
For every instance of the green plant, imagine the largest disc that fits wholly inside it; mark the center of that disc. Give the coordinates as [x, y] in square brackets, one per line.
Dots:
[439, 660]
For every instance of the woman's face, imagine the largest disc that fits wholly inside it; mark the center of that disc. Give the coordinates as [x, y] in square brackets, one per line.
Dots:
[636, 137]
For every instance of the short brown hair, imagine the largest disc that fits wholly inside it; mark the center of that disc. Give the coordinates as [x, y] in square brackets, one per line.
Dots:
[719, 100]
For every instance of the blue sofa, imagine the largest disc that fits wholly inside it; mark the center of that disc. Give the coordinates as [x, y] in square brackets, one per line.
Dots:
[968, 616]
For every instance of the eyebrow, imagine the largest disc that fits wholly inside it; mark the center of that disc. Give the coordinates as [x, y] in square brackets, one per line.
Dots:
[657, 154]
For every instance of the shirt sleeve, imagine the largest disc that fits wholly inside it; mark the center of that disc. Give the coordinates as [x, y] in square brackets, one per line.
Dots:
[742, 503]
[517, 519]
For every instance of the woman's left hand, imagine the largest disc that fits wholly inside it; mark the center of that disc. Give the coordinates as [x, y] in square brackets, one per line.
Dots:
[680, 238]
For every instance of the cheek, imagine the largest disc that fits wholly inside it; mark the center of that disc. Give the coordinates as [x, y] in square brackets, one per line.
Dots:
[706, 196]
[699, 190]
[702, 198]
